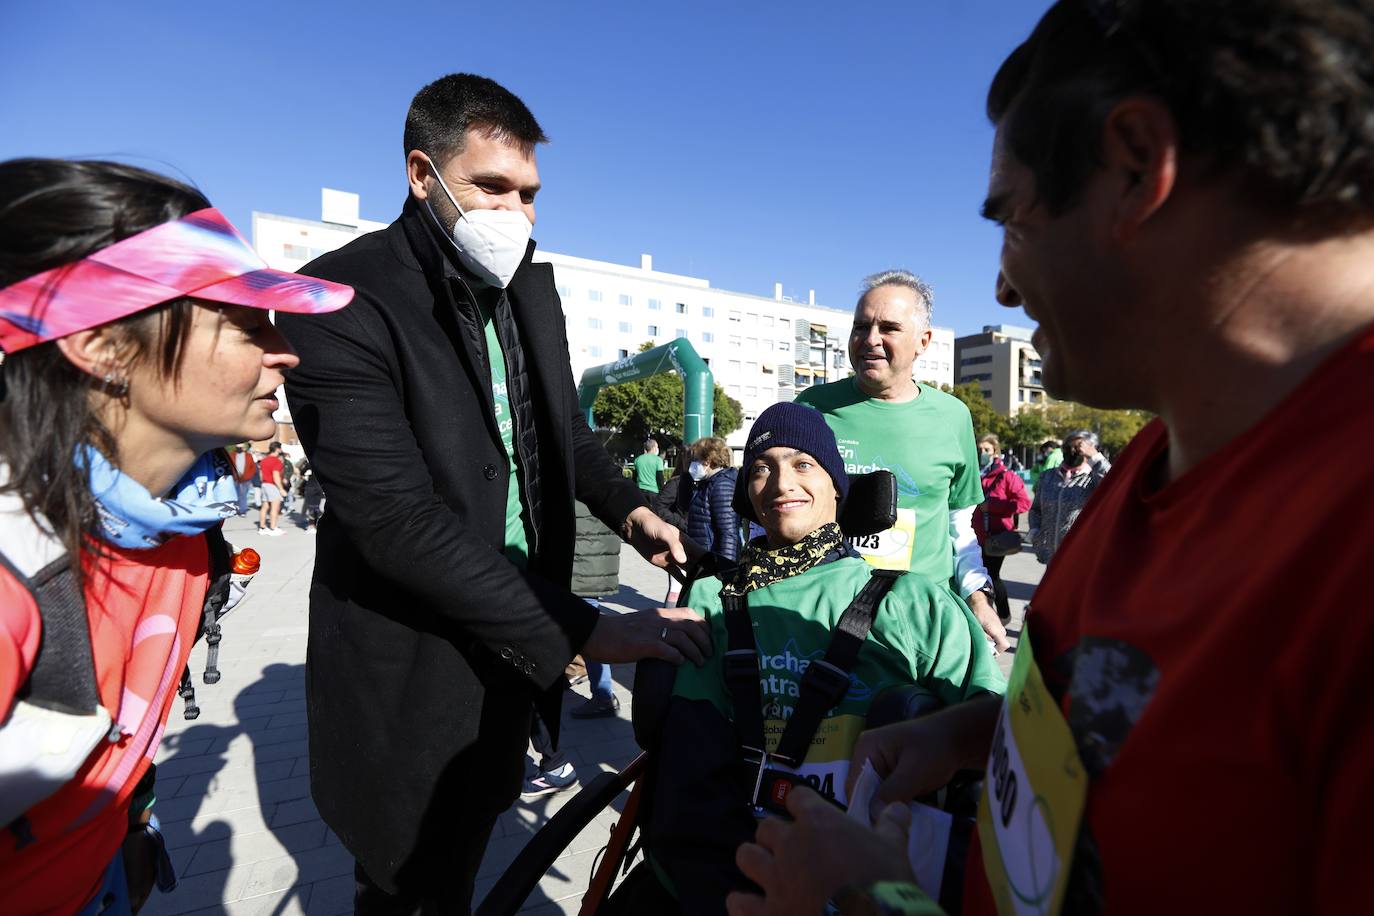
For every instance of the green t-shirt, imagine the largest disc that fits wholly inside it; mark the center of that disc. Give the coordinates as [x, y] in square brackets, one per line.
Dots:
[921, 635]
[927, 443]
[646, 471]
[517, 547]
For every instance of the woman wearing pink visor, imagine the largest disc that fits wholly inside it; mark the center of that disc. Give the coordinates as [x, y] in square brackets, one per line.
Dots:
[134, 325]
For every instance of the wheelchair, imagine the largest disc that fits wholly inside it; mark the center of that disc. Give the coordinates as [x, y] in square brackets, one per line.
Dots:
[615, 888]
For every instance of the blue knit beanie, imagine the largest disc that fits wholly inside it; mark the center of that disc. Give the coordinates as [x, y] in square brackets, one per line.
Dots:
[792, 426]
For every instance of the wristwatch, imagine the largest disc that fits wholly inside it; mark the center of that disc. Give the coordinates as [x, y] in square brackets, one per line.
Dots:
[988, 592]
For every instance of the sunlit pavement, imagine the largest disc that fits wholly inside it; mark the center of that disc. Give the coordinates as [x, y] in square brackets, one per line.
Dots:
[233, 785]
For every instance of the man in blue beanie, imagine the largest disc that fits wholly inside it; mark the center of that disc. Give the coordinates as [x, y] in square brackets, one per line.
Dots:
[796, 583]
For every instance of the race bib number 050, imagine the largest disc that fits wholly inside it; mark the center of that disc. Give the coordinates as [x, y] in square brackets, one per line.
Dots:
[1033, 796]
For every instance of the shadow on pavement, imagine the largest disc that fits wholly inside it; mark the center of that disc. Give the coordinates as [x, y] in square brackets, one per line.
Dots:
[218, 807]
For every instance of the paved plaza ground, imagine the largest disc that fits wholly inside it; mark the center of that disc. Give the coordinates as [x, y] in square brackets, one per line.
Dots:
[233, 785]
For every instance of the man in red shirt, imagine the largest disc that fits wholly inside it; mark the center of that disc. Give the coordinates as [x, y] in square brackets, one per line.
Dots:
[273, 487]
[1186, 192]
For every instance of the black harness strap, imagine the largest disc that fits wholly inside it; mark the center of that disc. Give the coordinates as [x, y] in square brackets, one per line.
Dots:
[826, 680]
[742, 673]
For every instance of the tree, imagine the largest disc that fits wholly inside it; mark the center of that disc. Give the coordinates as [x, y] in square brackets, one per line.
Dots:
[653, 406]
[1114, 427]
[1028, 428]
[985, 419]
[727, 413]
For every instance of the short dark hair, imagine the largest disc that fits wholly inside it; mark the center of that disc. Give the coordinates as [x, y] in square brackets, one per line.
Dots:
[442, 113]
[273, 446]
[1280, 89]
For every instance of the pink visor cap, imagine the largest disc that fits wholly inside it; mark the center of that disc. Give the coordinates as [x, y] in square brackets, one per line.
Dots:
[200, 255]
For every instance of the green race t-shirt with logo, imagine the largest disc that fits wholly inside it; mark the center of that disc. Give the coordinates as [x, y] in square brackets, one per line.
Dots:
[646, 471]
[927, 443]
[921, 635]
[517, 547]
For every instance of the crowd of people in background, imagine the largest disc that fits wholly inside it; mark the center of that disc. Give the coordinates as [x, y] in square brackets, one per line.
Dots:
[271, 480]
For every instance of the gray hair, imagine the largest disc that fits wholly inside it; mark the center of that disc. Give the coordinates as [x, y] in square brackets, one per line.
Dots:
[925, 296]
[1086, 435]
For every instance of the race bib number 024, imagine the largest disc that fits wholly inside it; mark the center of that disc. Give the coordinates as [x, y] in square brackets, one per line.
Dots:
[1033, 796]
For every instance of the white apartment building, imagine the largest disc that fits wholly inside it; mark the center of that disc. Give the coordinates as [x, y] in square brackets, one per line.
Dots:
[760, 349]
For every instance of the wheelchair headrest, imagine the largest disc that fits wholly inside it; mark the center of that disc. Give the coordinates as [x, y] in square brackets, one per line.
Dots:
[871, 505]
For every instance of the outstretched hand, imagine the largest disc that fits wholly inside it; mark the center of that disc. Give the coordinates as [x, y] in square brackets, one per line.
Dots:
[672, 634]
[659, 542]
[800, 865]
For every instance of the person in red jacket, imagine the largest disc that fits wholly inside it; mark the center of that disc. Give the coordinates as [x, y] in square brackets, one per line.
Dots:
[1005, 498]
[134, 324]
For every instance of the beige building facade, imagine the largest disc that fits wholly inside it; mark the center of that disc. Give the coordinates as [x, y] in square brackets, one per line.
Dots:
[1004, 364]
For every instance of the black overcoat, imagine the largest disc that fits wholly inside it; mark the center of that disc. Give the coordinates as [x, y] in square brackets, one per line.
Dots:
[427, 646]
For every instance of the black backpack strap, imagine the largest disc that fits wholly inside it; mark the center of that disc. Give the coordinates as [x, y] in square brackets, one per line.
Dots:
[221, 565]
[826, 680]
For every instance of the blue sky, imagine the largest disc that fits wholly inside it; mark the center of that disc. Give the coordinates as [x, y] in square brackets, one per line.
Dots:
[746, 143]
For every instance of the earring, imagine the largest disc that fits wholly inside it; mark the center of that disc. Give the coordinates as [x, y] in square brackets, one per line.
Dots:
[116, 386]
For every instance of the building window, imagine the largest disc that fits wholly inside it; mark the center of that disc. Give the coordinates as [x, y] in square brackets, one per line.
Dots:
[594, 351]
[653, 330]
[751, 317]
[681, 308]
[624, 327]
[708, 311]
[593, 295]
[564, 291]
[975, 360]
[767, 369]
[655, 305]
[681, 332]
[734, 340]
[751, 368]
[734, 365]
[626, 300]
[707, 337]
[767, 321]
[1021, 394]
[767, 345]
[623, 354]
[594, 323]
[751, 342]
[733, 391]
[734, 316]
[784, 345]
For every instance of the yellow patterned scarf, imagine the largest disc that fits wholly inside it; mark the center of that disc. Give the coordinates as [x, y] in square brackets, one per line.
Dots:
[759, 566]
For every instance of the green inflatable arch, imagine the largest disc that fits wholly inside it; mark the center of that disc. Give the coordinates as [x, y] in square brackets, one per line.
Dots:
[698, 385]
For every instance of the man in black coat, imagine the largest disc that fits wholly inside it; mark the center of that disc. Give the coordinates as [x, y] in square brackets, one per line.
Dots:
[441, 417]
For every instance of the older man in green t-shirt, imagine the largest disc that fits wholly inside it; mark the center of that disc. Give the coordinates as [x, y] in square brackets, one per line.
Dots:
[883, 418]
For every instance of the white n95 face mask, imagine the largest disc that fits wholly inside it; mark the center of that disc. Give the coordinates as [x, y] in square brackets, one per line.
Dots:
[490, 243]
[696, 470]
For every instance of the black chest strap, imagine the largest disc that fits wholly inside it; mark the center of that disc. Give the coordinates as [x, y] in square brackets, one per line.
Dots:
[823, 685]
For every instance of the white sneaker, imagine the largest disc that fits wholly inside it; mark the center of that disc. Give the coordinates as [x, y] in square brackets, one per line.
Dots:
[264, 531]
[275, 532]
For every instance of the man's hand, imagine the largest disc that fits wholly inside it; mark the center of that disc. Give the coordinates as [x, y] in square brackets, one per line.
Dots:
[801, 864]
[672, 634]
[923, 754]
[659, 542]
[987, 618]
